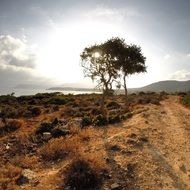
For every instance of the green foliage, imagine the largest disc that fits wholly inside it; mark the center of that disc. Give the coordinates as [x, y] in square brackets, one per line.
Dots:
[113, 105]
[104, 62]
[86, 121]
[186, 100]
[44, 127]
[112, 119]
[127, 116]
[35, 111]
[100, 120]
[58, 100]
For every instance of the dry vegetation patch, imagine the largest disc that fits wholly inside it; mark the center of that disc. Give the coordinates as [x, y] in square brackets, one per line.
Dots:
[8, 175]
[85, 172]
[59, 148]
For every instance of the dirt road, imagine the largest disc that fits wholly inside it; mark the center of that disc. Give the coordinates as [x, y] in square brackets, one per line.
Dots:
[156, 142]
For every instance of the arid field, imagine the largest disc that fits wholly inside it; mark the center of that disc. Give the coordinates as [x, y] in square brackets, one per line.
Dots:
[64, 142]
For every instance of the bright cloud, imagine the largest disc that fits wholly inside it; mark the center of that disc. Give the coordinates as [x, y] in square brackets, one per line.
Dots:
[15, 52]
[18, 63]
[180, 75]
[167, 56]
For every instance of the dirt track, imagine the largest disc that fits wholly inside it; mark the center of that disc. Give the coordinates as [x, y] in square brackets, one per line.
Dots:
[157, 143]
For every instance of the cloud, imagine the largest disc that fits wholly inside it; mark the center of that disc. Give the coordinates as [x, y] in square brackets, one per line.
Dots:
[167, 56]
[15, 52]
[112, 14]
[180, 75]
[18, 64]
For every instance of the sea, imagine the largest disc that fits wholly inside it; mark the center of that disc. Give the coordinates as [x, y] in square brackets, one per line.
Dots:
[27, 92]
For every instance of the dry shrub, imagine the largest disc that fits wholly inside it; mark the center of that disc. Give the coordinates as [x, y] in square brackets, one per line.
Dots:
[10, 125]
[26, 162]
[15, 124]
[8, 175]
[59, 148]
[23, 144]
[85, 172]
[86, 134]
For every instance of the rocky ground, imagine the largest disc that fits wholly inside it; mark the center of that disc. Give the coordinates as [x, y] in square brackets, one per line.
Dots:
[151, 150]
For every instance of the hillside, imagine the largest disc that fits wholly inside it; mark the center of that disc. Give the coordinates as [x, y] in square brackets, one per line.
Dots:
[168, 86]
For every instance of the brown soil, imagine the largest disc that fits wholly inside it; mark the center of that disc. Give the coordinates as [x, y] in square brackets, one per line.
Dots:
[156, 142]
[149, 151]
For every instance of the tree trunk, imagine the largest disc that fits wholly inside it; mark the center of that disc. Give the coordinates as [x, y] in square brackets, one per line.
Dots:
[102, 106]
[125, 85]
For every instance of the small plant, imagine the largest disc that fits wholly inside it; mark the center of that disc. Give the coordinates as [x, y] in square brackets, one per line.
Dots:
[9, 174]
[86, 121]
[100, 120]
[113, 105]
[81, 176]
[10, 126]
[114, 119]
[35, 111]
[44, 127]
[59, 148]
[127, 116]
[186, 100]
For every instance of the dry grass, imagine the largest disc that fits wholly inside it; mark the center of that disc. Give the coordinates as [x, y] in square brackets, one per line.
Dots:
[85, 172]
[10, 125]
[26, 161]
[8, 175]
[23, 144]
[84, 134]
[59, 148]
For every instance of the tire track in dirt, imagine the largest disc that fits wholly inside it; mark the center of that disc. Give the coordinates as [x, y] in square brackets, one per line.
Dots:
[173, 153]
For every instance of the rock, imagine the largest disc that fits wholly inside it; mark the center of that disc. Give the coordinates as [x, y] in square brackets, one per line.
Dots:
[115, 186]
[27, 176]
[47, 135]
[7, 147]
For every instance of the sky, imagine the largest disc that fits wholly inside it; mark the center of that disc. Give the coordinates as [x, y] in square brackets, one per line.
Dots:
[41, 40]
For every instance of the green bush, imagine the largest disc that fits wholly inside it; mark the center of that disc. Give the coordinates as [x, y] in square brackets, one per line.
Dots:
[113, 105]
[186, 100]
[86, 121]
[127, 116]
[60, 100]
[35, 111]
[44, 127]
[100, 120]
[114, 119]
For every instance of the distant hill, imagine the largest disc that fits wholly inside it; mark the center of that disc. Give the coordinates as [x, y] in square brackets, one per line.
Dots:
[168, 86]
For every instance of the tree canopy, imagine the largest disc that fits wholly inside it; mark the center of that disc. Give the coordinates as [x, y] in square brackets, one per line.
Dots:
[108, 61]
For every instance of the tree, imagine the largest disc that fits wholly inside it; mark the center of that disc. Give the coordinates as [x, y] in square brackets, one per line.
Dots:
[99, 64]
[131, 60]
[105, 62]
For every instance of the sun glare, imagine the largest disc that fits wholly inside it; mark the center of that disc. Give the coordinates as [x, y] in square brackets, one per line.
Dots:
[61, 55]
[96, 54]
